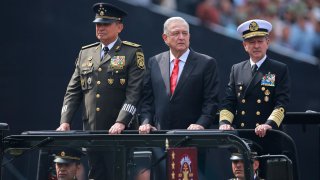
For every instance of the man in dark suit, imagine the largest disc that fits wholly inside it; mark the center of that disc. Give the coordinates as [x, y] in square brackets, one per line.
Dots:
[181, 85]
[108, 80]
[257, 94]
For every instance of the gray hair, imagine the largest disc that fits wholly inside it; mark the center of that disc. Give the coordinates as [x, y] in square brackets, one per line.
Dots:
[171, 20]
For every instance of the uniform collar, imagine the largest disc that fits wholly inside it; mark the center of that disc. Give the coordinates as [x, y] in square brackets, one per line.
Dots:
[110, 46]
[259, 62]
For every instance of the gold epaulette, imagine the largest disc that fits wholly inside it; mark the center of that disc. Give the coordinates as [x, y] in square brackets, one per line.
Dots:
[226, 115]
[277, 115]
[90, 45]
[131, 44]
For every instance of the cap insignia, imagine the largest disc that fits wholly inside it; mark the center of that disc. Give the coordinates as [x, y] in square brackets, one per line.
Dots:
[101, 10]
[253, 26]
[63, 153]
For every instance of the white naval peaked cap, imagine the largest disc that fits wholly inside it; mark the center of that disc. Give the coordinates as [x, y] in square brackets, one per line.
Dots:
[253, 28]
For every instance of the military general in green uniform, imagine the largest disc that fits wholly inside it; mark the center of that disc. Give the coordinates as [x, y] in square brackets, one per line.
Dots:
[107, 80]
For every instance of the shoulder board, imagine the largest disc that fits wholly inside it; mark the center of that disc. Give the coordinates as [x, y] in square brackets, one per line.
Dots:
[90, 45]
[131, 44]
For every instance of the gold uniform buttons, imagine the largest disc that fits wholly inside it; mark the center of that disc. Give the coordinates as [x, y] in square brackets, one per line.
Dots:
[97, 95]
[243, 100]
[257, 124]
[99, 69]
[243, 112]
[97, 109]
[242, 124]
[98, 82]
[263, 88]
[238, 94]
[267, 92]
[258, 101]
[258, 113]
[240, 88]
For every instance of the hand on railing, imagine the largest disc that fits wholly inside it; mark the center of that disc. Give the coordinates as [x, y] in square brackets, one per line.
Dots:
[64, 127]
[226, 127]
[146, 128]
[117, 128]
[261, 130]
[195, 127]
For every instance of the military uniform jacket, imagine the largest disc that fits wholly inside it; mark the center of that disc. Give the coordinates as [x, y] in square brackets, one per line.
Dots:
[258, 99]
[195, 99]
[109, 88]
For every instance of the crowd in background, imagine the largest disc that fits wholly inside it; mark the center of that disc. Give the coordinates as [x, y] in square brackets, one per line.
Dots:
[296, 23]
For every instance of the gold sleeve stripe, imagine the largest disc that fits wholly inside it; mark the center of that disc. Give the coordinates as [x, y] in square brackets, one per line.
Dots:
[277, 116]
[226, 115]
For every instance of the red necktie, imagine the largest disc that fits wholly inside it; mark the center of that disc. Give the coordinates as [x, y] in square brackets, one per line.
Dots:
[174, 75]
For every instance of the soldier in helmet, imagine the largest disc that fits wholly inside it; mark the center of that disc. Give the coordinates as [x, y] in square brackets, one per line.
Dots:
[67, 164]
[238, 164]
[108, 81]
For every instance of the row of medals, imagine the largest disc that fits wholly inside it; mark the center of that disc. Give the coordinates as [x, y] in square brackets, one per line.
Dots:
[110, 80]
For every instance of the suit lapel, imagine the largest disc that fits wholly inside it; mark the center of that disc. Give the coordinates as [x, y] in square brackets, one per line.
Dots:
[187, 69]
[246, 73]
[164, 65]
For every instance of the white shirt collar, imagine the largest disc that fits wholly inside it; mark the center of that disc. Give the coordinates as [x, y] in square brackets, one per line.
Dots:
[259, 62]
[110, 46]
[182, 58]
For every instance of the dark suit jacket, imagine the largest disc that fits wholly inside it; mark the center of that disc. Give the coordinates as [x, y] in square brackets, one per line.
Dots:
[195, 100]
[251, 99]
